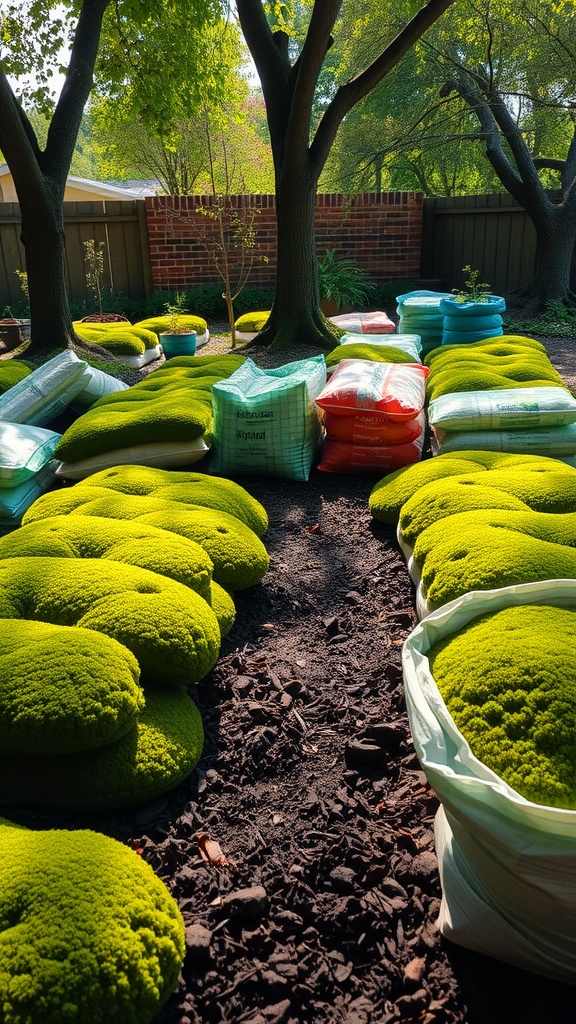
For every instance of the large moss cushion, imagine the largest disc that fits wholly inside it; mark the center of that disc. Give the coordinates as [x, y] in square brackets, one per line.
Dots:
[122, 339]
[158, 753]
[11, 372]
[64, 689]
[187, 321]
[238, 555]
[364, 350]
[190, 488]
[118, 540]
[509, 682]
[183, 370]
[389, 494]
[172, 632]
[88, 933]
[134, 418]
[505, 345]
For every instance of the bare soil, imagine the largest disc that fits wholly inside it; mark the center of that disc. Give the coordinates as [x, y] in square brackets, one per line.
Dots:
[301, 850]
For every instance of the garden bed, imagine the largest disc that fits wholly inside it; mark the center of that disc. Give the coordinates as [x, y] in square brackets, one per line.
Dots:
[301, 851]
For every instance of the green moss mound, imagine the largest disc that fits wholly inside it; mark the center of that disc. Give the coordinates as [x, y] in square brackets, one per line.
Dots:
[468, 378]
[152, 759]
[505, 345]
[191, 369]
[542, 489]
[132, 417]
[11, 372]
[149, 547]
[159, 324]
[509, 682]
[190, 488]
[238, 555]
[120, 339]
[390, 494]
[88, 932]
[64, 689]
[223, 606]
[252, 322]
[364, 350]
[172, 632]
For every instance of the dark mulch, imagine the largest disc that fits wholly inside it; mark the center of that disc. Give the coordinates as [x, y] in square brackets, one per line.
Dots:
[301, 851]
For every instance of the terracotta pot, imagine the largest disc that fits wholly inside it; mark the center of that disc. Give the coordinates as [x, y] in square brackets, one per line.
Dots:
[13, 332]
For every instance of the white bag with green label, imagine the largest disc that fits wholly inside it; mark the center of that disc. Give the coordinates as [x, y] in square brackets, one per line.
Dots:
[505, 409]
[507, 866]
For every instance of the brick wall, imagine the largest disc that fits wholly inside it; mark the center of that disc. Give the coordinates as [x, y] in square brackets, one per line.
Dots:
[381, 232]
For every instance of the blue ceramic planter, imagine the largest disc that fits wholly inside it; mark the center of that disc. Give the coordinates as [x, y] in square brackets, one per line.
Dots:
[178, 344]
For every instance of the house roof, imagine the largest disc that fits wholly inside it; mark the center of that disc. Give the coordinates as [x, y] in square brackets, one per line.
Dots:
[101, 189]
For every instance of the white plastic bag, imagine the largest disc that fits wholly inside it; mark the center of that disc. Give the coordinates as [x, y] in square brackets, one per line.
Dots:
[507, 866]
[506, 409]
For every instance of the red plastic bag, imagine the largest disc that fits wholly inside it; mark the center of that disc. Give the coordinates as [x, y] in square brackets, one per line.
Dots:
[365, 323]
[395, 390]
[339, 457]
[372, 430]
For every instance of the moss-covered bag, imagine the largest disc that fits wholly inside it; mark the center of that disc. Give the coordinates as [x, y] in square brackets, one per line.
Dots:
[183, 369]
[121, 339]
[364, 350]
[64, 689]
[238, 555]
[463, 378]
[189, 488]
[507, 344]
[489, 557]
[172, 632]
[136, 417]
[540, 489]
[509, 682]
[159, 324]
[12, 371]
[88, 933]
[149, 547]
[158, 753]
[390, 494]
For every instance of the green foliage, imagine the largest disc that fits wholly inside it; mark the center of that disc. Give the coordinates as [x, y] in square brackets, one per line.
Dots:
[509, 682]
[556, 319]
[473, 290]
[343, 281]
[94, 262]
[98, 935]
[175, 310]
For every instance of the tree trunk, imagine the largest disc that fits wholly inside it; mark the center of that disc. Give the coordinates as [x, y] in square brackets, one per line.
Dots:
[43, 240]
[296, 317]
[555, 241]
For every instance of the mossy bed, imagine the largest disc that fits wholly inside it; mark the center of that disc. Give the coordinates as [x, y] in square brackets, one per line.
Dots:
[391, 492]
[505, 345]
[509, 682]
[464, 377]
[11, 372]
[118, 338]
[172, 632]
[88, 932]
[186, 321]
[364, 350]
[238, 555]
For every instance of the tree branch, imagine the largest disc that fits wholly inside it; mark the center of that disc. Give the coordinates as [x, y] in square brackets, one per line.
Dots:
[351, 92]
[17, 139]
[316, 46]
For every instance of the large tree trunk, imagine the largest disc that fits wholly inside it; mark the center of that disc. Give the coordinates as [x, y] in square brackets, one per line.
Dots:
[296, 316]
[555, 242]
[43, 240]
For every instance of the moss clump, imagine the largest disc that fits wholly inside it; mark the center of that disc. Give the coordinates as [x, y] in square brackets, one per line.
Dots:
[364, 350]
[223, 606]
[251, 323]
[505, 345]
[154, 757]
[390, 494]
[120, 339]
[172, 632]
[186, 369]
[465, 377]
[88, 932]
[64, 689]
[187, 322]
[133, 417]
[238, 555]
[509, 682]
[11, 372]
[190, 488]
[539, 488]
[148, 547]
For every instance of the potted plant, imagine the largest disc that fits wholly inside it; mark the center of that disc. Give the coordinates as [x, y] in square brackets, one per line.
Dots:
[343, 285]
[14, 331]
[176, 339]
[472, 313]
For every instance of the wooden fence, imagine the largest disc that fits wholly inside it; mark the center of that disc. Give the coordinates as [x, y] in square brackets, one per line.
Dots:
[121, 225]
[491, 233]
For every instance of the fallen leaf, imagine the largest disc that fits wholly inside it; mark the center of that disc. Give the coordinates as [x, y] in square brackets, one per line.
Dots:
[211, 851]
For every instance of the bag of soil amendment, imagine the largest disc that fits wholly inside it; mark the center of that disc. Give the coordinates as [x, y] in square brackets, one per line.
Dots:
[507, 865]
[266, 421]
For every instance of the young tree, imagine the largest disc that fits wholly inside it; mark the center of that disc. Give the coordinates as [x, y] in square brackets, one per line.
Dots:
[31, 35]
[300, 151]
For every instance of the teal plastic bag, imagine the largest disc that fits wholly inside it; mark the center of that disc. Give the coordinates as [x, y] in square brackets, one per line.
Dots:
[266, 421]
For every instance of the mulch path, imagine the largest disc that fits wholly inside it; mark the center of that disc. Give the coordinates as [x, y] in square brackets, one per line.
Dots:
[301, 850]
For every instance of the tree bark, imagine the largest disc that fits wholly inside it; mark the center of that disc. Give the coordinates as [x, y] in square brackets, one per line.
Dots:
[43, 239]
[555, 242]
